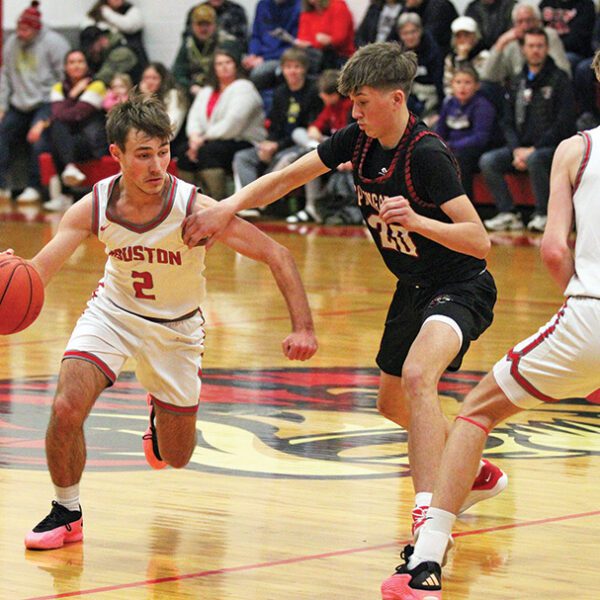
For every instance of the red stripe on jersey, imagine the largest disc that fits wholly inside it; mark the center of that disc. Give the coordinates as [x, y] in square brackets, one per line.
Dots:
[190, 203]
[586, 158]
[173, 408]
[515, 358]
[94, 360]
[95, 211]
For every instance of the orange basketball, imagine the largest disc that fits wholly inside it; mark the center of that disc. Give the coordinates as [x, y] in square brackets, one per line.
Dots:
[21, 294]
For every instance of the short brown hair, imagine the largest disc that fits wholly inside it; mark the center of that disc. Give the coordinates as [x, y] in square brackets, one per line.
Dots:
[294, 55]
[144, 113]
[328, 81]
[383, 65]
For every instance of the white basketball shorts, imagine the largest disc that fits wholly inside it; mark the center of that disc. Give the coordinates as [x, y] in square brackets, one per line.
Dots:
[168, 355]
[562, 360]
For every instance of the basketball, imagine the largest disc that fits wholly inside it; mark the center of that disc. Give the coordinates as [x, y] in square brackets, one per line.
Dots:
[21, 294]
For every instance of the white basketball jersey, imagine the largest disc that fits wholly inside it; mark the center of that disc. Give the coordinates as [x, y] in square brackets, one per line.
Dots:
[150, 271]
[586, 200]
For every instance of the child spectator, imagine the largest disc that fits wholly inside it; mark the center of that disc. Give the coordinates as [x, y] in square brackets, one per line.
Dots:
[118, 91]
[466, 123]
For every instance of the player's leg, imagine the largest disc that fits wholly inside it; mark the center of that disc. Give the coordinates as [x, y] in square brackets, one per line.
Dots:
[176, 436]
[420, 575]
[79, 384]
[391, 402]
[430, 354]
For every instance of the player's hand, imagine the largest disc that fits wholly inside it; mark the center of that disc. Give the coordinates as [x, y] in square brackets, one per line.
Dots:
[300, 345]
[204, 226]
[398, 210]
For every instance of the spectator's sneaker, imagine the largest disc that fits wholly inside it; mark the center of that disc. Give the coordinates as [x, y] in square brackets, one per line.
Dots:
[58, 204]
[302, 216]
[150, 442]
[504, 221]
[29, 194]
[60, 527]
[489, 483]
[72, 176]
[537, 223]
[419, 516]
[424, 582]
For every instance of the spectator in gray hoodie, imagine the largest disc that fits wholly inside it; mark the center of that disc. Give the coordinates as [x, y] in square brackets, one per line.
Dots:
[32, 62]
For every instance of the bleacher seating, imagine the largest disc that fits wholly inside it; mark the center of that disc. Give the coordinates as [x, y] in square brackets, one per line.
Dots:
[519, 186]
[95, 170]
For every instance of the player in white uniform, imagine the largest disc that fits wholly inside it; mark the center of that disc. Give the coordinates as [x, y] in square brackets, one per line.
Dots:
[561, 360]
[146, 307]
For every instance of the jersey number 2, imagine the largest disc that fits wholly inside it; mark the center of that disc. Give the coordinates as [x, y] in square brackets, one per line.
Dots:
[146, 283]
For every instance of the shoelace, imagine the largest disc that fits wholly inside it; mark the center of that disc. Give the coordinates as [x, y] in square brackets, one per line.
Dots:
[57, 517]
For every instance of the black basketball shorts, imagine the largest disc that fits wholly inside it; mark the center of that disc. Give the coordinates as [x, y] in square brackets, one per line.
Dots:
[468, 303]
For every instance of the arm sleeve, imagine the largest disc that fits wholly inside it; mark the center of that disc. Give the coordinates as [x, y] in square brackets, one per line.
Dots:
[339, 147]
[130, 22]
[439, 184]
[482, 127]
[194, 122]
[255, 45]
[181, 68]
[120, 60]
[564, 108]
[341, 23]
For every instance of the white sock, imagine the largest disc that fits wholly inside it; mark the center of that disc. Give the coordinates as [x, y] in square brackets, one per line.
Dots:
[481, 465]
[423, 498]
[433, 537]
[68, 496]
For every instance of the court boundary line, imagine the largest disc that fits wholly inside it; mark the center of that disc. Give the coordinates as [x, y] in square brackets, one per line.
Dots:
[298, 559]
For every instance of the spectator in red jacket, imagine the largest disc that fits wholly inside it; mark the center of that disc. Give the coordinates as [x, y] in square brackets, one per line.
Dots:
[326, 31]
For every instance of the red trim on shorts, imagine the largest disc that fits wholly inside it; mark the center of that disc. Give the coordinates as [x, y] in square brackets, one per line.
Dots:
[515, 358]
[94, 360]
[587, 139]
[172, 408]
[473, 422]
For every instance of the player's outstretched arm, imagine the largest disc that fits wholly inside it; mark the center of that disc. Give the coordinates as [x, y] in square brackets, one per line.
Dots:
[245, 238]
[74, 228]
[555, 251]
[209, 223]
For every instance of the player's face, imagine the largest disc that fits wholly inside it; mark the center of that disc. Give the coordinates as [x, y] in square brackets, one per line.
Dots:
[144, 161]
[464, 87]
[372, 109]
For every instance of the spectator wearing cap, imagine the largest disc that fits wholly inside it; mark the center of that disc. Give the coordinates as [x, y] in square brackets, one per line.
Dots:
[226, 116]
[467, 48]
[506, 59]
[107, 54]
[493, 18]
[32, 62]
[192, 63]
[231, 18]
[119, 16]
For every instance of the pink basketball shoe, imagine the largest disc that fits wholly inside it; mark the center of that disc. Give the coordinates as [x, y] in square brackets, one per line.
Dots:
[62, 526]
[150, 441]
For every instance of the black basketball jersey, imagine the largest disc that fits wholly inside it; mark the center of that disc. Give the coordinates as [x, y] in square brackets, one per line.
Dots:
[422, 169]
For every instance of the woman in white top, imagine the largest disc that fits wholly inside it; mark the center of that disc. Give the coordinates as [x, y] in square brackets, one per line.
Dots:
[226, 116]
[121, 17]
[158, 81]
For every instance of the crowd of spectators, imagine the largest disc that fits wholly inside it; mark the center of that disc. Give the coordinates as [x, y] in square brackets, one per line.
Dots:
[503, 84]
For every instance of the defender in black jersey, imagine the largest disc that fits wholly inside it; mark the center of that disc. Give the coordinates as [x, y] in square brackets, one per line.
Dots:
[429, 235]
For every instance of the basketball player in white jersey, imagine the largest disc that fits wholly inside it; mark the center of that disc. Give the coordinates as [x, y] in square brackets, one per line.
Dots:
[562, 360]
[146, 306]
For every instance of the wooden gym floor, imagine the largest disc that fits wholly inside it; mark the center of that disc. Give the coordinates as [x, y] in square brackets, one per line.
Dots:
[298, 488]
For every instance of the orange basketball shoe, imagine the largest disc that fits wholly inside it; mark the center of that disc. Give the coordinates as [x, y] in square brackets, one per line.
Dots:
[150, 441]
[60, 527]
[489, 483]
[424, 582]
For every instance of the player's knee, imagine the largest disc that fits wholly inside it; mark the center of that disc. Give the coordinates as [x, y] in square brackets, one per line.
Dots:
[67, 412]
[416, 379]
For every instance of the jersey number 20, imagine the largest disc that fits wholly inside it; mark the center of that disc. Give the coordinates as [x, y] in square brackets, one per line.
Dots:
[393, 236]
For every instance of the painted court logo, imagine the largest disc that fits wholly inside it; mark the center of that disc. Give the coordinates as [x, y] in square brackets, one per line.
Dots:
[282, 423]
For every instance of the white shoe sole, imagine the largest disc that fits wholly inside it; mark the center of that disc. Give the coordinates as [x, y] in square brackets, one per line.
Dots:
[479, 495]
